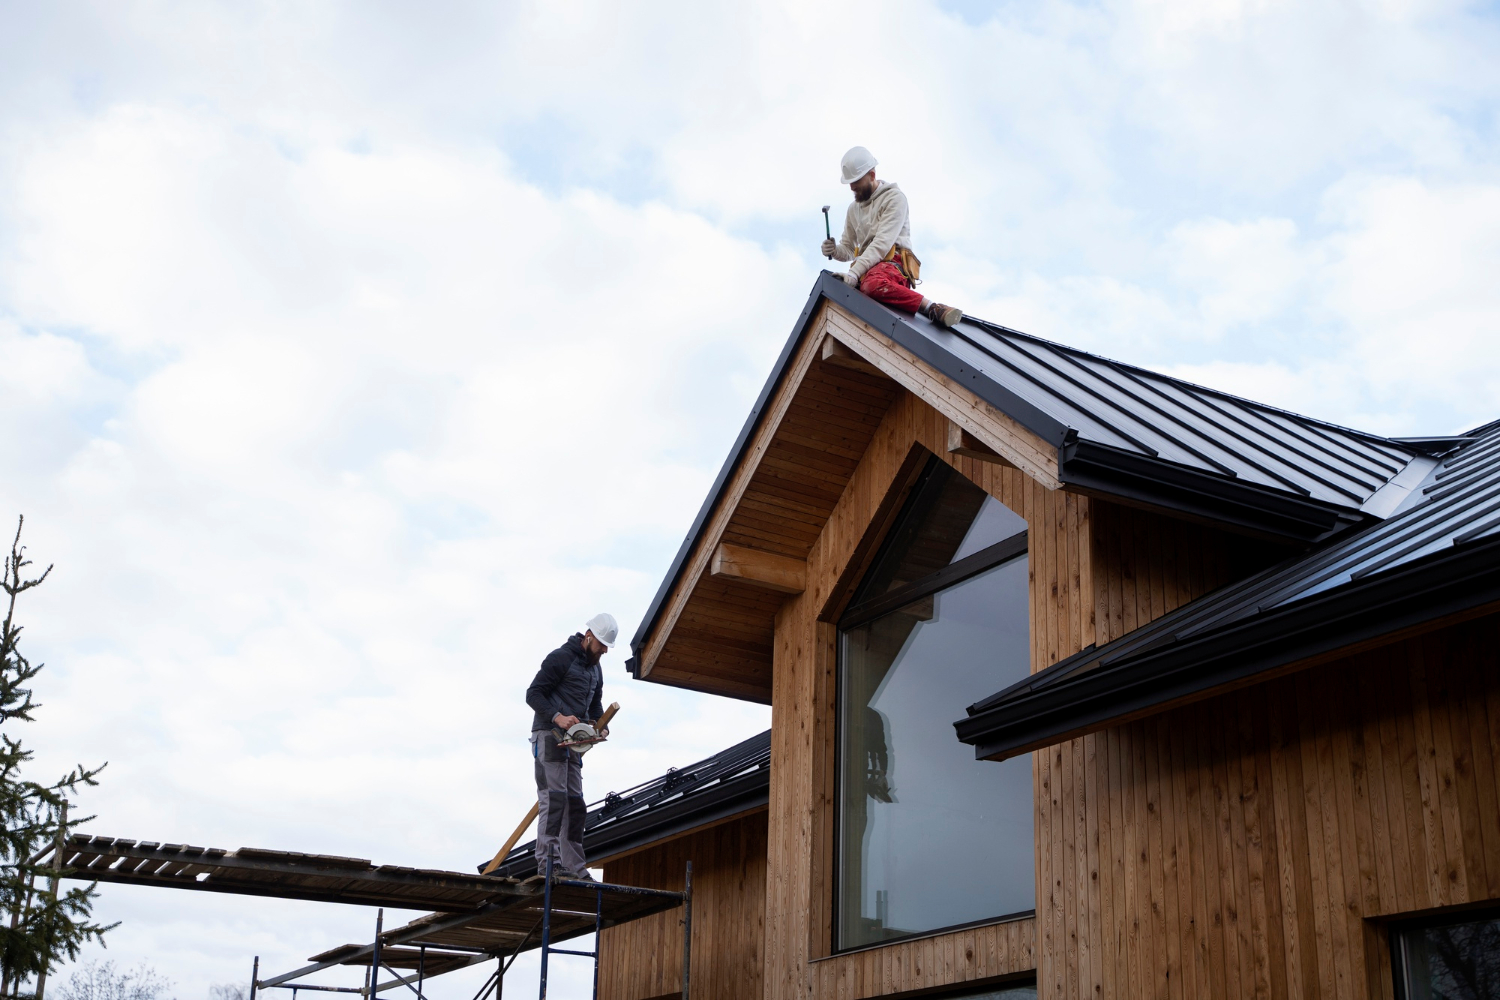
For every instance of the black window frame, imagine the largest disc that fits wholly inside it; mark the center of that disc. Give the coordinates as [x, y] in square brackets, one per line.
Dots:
[867, 611]
[1399, 929]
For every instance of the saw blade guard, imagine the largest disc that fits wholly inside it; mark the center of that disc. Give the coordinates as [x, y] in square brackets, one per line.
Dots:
[580, 737]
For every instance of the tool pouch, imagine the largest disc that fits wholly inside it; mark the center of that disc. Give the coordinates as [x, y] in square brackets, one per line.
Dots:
[907, 261]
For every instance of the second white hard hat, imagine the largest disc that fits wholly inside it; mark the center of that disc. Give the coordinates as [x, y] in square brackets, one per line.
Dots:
[857, 162]
[604, 628]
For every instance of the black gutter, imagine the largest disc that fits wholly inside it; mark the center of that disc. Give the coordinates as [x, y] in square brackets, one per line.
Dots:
[1443, 584]
[1100, 469]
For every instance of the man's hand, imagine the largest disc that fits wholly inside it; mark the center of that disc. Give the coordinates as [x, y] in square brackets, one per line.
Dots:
[829, 246]
[850, 279]
[564, 722]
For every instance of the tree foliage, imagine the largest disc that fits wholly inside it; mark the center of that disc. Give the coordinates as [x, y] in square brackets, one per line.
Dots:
[42, 921]
[102, 981]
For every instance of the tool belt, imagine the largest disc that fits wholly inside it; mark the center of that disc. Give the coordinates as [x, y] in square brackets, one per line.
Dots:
[907, 262]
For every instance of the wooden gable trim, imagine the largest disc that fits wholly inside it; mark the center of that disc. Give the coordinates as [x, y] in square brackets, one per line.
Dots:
[835, 337]
[1000, 433]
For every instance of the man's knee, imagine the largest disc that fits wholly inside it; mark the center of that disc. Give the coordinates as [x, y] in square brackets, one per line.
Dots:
[557, 804]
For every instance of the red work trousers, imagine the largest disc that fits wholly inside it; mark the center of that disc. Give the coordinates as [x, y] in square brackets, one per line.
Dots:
[885, 283]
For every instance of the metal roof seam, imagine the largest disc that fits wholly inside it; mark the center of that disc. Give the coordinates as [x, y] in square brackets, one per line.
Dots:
[1264, 469]
[1253, 404]
[1308, 454]
[1425, 542]
[1097, 395]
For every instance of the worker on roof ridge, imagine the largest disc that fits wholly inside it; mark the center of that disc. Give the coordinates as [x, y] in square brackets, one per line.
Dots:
[568, 689]
[877, 238]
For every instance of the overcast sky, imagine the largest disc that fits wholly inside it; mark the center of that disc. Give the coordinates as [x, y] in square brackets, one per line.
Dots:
[353, 354]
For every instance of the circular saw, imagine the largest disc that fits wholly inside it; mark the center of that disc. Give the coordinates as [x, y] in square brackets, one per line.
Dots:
[580, 737]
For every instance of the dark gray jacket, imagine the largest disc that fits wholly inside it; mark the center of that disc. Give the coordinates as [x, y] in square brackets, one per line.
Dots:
[567, 684]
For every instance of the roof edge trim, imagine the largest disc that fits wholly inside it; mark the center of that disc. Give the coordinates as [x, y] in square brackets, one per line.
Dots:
[1445, 584]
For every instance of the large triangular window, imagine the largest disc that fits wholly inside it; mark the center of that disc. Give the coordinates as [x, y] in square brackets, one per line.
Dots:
[929, 837]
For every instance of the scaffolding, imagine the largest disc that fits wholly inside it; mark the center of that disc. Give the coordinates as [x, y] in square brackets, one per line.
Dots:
[476, 918]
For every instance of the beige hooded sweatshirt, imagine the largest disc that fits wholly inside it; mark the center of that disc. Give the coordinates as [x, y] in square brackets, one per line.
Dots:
[872, 227]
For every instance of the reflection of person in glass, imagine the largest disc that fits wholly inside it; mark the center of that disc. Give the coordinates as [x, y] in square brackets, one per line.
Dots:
[877, 758]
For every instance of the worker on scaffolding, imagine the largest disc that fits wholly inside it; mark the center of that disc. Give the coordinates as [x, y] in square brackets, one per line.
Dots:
[567, 692]
[877, 239]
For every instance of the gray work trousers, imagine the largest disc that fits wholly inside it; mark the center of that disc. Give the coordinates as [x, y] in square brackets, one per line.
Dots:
[560, 805]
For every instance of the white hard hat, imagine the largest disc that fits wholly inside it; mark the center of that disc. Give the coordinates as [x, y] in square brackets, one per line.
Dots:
[604, 628]
[857, 162]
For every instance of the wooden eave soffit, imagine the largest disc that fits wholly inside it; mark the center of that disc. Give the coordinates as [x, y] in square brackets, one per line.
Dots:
[977, 430]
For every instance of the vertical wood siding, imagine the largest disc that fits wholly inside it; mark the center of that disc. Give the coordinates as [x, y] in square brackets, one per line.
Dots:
[1097, 569]
[1144, 565]
[799, 883]
[1249, 844]
[643, 958]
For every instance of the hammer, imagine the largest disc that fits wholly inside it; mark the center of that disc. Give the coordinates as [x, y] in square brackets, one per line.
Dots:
[826, 227]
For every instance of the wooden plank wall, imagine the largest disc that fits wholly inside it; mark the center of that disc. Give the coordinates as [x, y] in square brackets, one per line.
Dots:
[1145, 564]
[799, 884]
[643, 958]
[1248, 845]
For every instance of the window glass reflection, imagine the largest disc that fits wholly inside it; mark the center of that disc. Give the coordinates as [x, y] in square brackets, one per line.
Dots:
[946, 519]
[930, 837]
[1451, 961]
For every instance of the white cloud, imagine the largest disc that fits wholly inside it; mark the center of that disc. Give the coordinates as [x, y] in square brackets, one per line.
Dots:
[361, 353]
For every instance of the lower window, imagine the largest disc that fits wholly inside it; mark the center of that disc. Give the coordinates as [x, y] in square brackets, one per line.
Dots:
[1455, 957]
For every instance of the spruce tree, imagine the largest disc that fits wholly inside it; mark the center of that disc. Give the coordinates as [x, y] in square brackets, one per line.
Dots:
[41, 923]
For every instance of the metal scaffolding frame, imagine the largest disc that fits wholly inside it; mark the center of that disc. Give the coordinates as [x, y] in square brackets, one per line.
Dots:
[419, 937]
[474, 918]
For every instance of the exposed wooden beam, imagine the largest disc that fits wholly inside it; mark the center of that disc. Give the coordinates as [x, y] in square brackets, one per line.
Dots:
[961, 442]
[763, 569]
[998, 431]
[835, 353]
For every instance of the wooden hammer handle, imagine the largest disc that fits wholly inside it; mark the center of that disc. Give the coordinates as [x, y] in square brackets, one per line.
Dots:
[609, 713]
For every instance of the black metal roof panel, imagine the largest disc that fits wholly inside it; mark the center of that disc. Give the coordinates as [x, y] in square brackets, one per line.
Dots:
[1437, 553]
[1127, 432]
[729, 783]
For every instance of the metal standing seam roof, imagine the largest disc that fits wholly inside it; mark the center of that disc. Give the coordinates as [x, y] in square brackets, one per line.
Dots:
[1127, 432]
[1451, 517]
[733, 781]
[1141, 412]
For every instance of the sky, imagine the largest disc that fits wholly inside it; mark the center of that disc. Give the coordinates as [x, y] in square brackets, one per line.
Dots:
[355, 354]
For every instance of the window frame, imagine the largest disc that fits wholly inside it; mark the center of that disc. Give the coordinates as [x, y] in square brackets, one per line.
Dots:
[1400, 929]
[863, 613]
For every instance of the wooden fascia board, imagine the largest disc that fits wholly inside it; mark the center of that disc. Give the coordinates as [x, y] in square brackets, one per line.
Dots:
[708, 541]
[997, 431]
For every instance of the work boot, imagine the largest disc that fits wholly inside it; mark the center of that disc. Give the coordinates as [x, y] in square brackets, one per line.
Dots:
[944, 316]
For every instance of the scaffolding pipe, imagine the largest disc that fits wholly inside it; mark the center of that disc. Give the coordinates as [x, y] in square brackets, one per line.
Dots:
[375, 954]
[687, 933]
